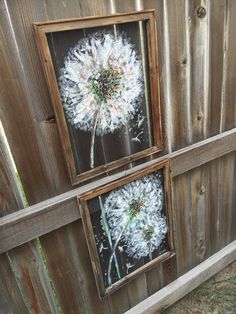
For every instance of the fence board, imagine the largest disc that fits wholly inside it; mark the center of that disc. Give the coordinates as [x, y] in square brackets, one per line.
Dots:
[213, 190]
[229, 68]
[178, 71]
[11, 300]
[23, 265]
[217, 52]
[226, 197]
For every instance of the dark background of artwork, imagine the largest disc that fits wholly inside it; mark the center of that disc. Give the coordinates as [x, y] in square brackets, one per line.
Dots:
[119, 144]
[102, 244]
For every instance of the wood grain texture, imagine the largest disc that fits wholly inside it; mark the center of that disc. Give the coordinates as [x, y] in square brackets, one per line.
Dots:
[11, 300]
[226, 198]
[177, 73]
[233, 211]
[183, 226]
[229, 78]
[216, 64]
[25, 268]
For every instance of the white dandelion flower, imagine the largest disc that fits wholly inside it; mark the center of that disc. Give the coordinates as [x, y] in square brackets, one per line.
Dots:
[148, 235]
[132, 203]
[101, 84]
[134, 215]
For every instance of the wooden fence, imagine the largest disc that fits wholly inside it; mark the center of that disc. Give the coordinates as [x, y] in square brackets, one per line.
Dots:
[44, 261]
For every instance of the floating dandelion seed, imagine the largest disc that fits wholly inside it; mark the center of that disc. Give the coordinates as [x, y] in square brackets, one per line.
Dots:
[101, 84]
[134, 215]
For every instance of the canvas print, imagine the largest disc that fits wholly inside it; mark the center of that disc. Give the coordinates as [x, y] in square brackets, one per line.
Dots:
[129, 226]
[104, 91]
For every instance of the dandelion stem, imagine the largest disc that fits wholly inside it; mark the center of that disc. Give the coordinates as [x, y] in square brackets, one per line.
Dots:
[114, 249]
[93, 133]
[106, 228]
[150, 253]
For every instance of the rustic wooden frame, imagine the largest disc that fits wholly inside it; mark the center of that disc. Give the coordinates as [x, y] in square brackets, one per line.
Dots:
[85, 215]
[41, 31]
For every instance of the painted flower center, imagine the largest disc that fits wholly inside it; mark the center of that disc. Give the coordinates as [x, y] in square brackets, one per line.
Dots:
[105, 84]
[135, 207]
[148, 232]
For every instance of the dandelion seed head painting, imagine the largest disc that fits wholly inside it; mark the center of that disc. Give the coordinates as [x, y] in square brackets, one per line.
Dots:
[101, 84]
[130, 226]
[102, 77]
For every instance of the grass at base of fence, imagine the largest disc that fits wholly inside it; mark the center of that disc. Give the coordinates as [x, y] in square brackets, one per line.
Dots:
[41, 254]
[217, 295]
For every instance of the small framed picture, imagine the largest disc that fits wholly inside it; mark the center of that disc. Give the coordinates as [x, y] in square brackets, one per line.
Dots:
[102, 75]
[128, 226]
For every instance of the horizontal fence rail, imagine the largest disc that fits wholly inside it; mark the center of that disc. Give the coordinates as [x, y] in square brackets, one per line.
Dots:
[29, 223]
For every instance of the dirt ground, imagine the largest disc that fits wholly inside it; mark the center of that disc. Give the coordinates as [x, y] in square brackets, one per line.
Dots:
[216, 296]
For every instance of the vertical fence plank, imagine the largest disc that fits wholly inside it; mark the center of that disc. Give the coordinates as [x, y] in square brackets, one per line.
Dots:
[199, 48]
[199, 42]
[233, 212]
[229, 69]
[228, 121]
[217, 52]
[178, 60]
[226, 197]
[183, 222]
[38, 295]
[199, 209]
[213, 191]
[11, 300]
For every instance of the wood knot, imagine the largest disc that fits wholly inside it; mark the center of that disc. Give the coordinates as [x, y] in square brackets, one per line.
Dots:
[202, 190]
[50, 119]
[200, 116]
[201, 12]
[184, 61]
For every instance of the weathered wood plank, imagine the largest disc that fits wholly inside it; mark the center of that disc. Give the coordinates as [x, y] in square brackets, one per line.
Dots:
[183, 218]
[188, 282]
[29, 223]
[177, 73]
[216, 60]
[228, 119]
[227, 172]
[213, 190]
[25, 268]
[233, 213]
[198, 213]
[199, 80]
[25, 100]
[11, 300]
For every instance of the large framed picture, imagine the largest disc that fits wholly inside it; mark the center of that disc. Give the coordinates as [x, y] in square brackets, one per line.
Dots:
[128, 226]
[102, 74]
